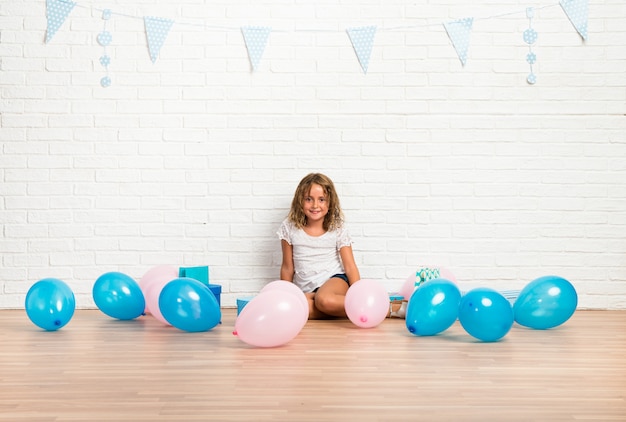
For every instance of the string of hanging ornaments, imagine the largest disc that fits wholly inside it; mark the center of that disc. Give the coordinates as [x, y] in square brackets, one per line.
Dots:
[362, 38]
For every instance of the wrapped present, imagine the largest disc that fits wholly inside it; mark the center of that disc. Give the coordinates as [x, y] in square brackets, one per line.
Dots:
[424, 274]
[198, 273]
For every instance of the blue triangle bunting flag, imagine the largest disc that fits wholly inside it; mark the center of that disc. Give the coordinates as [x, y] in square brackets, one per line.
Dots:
[255, 38]
[459, 32]
[362, 40]
[577, 11]
[56, 13]
[156, 33]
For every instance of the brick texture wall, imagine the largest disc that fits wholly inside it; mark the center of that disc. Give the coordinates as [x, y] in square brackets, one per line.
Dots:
[193, 160]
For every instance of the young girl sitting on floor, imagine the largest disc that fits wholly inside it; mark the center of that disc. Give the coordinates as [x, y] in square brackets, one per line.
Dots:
[317, 248]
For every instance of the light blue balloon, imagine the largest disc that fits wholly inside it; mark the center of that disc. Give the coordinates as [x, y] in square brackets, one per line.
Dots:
[485, 314]
[545, 302]
[433, 307]
[50, 304]
[118, 296]
[189, 305]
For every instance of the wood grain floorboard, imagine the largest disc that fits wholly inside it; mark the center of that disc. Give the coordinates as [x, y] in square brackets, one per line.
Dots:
[100, 369]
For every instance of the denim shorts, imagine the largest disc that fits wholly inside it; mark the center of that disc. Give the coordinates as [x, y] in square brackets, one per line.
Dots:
[341, 276]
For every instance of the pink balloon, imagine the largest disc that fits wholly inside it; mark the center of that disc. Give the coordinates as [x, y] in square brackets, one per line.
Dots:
[270, 319]
[447, 274]
[288, 286]
[152, 298]
[367, 303]
[408, 287]
[156, 275]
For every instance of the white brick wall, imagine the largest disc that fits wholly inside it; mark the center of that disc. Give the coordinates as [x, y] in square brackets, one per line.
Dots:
[193, 160]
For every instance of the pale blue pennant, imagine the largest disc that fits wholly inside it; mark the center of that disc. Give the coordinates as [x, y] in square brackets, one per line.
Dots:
[577, 11]
[255, 38]
[362, 40]
[459, 33]
[56, 13]
[156, 33]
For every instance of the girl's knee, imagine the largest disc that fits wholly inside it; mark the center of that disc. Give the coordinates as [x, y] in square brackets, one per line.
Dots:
[329, 304]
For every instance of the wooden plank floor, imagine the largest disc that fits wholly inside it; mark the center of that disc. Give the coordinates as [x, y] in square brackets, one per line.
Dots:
[97, 368]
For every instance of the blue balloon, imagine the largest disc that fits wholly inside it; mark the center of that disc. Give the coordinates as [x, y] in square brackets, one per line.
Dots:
[485, 314]
[545, 302]
[118, 296]
[433, 307]
[189, 305]
[50, 304]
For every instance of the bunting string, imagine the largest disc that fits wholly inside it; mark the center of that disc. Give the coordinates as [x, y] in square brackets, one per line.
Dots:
[255, 37]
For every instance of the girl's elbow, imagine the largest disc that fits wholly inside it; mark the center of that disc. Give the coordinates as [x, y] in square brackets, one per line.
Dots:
[353, 275]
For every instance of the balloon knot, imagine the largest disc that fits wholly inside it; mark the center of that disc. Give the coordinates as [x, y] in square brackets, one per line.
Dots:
[235, 332]
[363, 318]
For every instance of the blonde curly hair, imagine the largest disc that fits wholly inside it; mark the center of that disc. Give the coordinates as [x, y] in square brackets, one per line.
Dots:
[334, 217]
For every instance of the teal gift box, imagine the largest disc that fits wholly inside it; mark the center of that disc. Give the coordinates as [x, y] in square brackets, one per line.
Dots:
[202, 275]
[242, 302]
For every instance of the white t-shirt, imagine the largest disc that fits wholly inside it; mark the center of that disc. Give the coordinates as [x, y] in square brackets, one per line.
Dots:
[315, 258]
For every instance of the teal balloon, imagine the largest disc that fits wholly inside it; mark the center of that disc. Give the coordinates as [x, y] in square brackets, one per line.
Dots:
[50, 304]
[433, 307]
[485, 314]
[189, 305]
[545, 302]
[118, 296]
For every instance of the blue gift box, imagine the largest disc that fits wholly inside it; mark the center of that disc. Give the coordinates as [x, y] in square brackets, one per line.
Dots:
[241, 303]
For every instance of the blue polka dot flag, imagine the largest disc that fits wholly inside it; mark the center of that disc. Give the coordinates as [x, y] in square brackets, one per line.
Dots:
[459, 33]
[577, 11]
[156, 33]
[56, 13]
[255, 38]
[362, 40]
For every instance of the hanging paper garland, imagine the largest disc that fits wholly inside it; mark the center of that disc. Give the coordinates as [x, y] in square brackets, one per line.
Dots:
[459, 33]
[156, 33]
[104, 39]
[362, 38]
[577, 11]
[56, 13]
[255, 38]
[530, 37]
[362, 41]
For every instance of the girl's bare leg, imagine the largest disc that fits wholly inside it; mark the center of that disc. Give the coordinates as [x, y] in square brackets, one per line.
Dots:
[314, 313]
[329, 300]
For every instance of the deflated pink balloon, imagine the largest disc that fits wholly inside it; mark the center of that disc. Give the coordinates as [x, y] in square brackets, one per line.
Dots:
[367, 303]
[270, 319]
[288, 286]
